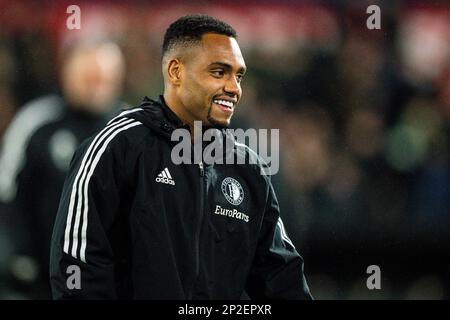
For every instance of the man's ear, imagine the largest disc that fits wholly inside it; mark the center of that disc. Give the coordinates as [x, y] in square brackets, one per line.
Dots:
[174, 71]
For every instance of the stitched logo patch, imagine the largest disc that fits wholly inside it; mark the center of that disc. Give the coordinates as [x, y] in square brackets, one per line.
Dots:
[233, 191]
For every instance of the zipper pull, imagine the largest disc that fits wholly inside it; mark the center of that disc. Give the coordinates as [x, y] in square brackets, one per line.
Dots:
[202, 171]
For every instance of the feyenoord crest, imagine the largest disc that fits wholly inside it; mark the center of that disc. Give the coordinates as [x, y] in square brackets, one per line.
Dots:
[232, 190]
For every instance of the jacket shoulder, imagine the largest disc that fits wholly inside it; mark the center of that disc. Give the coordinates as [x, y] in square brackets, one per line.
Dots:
[253, 159]
[122, 136]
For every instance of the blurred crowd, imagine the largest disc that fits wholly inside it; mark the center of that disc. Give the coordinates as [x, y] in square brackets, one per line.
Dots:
[363, 116]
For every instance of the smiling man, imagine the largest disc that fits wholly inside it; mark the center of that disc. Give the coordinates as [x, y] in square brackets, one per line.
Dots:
[132, 224]
[202, 77]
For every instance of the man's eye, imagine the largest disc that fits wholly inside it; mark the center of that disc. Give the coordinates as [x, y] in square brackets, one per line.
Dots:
[218, 73]
[239, 77]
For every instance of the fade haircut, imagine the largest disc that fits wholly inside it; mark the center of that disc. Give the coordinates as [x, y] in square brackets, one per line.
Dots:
[189, 29]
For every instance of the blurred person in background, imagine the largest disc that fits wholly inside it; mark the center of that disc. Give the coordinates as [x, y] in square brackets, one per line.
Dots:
[7, 109]
[7, 80]
[41, 139]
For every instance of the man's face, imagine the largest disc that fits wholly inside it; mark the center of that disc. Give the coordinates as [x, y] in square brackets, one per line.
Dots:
[210, 86]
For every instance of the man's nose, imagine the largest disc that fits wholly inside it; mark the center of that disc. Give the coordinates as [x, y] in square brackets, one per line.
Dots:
[232, 86]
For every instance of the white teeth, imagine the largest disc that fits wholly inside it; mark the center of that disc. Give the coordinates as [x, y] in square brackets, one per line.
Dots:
[225, 103]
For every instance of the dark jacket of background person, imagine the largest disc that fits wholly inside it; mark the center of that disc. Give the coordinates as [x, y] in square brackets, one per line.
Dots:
[133, 236]
[38, 148]
[39, 143]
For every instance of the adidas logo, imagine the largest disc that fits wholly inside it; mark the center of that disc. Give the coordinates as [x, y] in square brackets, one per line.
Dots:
[165, 177]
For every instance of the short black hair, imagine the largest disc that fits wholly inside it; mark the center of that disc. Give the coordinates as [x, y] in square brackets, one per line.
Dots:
[190, 28]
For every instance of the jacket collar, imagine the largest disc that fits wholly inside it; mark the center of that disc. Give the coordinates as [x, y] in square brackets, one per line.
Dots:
[170, 115]
[160, 118]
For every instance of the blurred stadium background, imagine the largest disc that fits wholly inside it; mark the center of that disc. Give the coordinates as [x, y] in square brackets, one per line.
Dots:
[363, 116]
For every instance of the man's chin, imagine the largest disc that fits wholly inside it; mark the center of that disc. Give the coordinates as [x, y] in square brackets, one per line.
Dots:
[218, 124]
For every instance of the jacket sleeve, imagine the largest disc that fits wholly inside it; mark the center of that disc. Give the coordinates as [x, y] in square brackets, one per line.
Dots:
[278, 270]
[82, 256]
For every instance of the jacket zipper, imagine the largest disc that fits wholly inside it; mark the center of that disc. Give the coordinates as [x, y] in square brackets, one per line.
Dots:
[197, 235]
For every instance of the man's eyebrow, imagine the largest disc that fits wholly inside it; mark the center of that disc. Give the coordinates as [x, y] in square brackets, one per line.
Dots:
[227, 66]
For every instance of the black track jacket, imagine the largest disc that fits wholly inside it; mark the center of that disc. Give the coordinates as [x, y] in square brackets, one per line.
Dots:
[133, 225]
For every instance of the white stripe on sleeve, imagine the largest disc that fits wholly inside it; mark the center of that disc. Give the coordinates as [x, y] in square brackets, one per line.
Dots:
[284, 235]
[80, 198]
